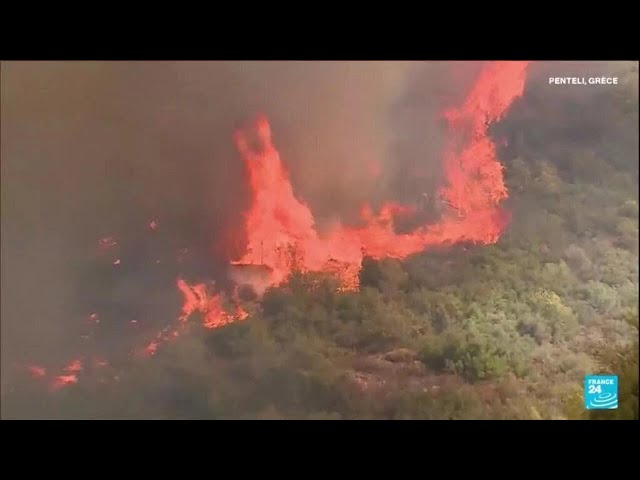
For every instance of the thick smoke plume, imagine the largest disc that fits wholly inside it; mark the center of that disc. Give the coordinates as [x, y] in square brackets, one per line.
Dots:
[92, 150]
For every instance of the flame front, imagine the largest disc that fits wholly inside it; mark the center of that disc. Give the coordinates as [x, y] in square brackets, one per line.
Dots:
[281, 229]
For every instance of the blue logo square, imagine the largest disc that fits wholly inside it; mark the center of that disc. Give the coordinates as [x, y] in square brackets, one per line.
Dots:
[601, 392]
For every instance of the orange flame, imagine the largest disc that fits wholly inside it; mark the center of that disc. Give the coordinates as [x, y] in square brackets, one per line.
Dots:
[281, 229]
[197, 299]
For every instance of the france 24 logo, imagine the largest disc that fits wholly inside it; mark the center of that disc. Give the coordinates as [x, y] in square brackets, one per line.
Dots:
[601, 392]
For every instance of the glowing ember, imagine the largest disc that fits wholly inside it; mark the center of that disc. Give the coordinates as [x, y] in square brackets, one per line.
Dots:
[151, 348]
[153, 224]
[63, 380]
[166, 334]
[36, 371]
[117, 262]
[98, 362]
[107, 243]
[73, 366]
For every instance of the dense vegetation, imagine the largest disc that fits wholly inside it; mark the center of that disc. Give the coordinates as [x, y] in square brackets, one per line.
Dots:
[505, 331]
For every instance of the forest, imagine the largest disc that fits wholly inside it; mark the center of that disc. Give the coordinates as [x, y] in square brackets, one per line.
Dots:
[504, 331]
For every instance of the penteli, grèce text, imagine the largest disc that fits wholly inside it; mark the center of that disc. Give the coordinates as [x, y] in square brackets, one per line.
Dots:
[583, 80]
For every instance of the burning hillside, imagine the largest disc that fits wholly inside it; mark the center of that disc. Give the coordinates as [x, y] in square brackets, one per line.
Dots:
[281, 230]
[282, 235]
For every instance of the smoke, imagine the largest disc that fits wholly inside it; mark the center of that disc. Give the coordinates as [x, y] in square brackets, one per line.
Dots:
[97, 149]
[415, 162]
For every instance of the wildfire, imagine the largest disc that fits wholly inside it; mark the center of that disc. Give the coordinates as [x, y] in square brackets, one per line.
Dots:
[163, 336]
[280, 228]
[281, 231]
[197, 299]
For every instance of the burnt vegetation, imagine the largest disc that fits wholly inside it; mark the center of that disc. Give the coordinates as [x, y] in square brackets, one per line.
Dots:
[505, 331]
